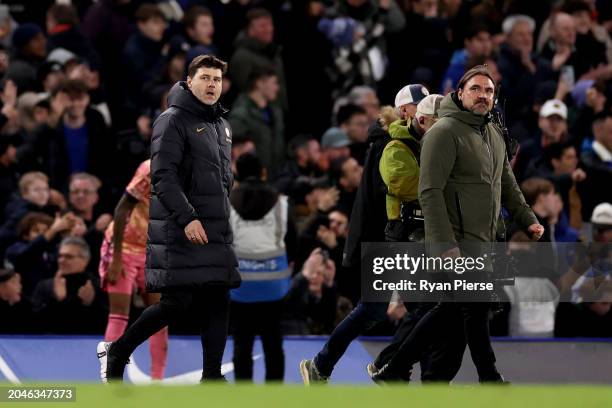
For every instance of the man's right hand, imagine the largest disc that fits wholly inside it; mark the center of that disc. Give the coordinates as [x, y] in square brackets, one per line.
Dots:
[195, 233]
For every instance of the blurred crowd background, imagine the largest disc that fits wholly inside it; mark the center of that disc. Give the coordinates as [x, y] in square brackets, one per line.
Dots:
[83, 81]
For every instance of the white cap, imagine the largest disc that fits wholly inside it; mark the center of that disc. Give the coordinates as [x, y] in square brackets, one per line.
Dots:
[429, 105]
[413, 93]
[602, 214]
[553, 107]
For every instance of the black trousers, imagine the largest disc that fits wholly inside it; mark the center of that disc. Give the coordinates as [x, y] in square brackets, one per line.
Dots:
[442, 359]
[434, 326]
[263, 319]
[208, 306]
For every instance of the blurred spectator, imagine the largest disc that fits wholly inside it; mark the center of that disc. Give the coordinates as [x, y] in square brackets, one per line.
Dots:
[200, 28]
[354, 121]
[335, 145]
[559, 164]
[89, 73]
[68, 303]
[521, 68]
[83, 199]
[366, 98]
[546, 204]
[564, 50]
[15, 311]
[33, 196]
[357, 28]
[257, 116]
[302, 165]
[83, 196]
[255, 47]
[35, 255]
[29, 51]
[311, 303]
[590, 315]
[595, 102]
[8, 174]
[552, 123]
[346, 174]
[260, 222]
[107, 26]
[7, 26]
[534, 296]
[598, 165]
[477, 44]
[64, 32]
[142, 54]
[80, 141]
[241, 145]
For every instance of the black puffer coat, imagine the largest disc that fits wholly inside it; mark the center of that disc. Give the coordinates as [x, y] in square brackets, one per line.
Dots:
[190, 179]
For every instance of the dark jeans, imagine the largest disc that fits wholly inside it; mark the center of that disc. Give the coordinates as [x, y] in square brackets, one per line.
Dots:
[210, 306]
[442, 360]
[365, 316]
[435, 326]
[263, 319]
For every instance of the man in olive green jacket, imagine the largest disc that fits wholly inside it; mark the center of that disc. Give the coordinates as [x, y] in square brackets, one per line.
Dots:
[465, 179]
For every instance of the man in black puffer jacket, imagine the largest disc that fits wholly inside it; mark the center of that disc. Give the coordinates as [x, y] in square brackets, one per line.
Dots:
[190, 259]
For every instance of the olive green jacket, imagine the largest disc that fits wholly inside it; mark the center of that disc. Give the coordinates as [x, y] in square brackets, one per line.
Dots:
[466, 178]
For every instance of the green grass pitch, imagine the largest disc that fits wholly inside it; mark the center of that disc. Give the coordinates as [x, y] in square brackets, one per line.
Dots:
[290, 396]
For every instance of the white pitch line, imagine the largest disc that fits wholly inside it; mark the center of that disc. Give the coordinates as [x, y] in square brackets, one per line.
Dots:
[7, 372]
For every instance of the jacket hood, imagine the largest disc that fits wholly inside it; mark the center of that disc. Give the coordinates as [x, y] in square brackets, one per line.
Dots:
[451, 107]
[181, 97]
[253, 199]
[401, 130]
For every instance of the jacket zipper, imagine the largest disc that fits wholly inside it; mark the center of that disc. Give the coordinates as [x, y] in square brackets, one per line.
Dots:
[484, 139]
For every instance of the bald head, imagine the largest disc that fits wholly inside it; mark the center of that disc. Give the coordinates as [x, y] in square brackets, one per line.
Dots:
[563, 29]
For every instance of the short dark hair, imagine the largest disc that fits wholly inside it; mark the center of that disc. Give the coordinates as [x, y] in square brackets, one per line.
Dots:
[260, 72]
[555, 151]
[534, 187]
[574, 6]
[471, 73]
[602, 116]
[148, 11]
[346, 112]
[193, 13]
[476, 28]
[206, 61]
[64, 14]
[248, 165]
[257, 13]
[335, 169]
[73, 87]
[30, 220]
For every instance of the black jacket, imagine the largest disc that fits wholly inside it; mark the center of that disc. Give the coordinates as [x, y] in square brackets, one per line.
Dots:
[190, 180]
[369, 216]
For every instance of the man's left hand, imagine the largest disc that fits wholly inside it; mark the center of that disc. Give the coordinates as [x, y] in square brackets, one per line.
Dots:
[535, 231]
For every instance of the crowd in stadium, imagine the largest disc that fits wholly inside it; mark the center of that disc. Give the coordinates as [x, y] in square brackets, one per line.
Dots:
[307, 81]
